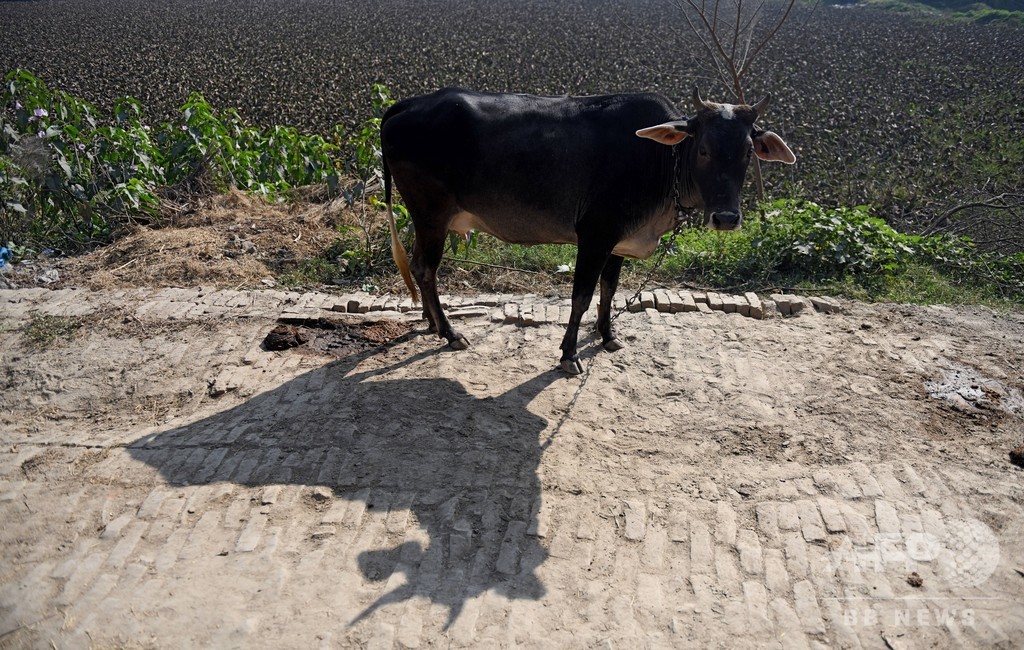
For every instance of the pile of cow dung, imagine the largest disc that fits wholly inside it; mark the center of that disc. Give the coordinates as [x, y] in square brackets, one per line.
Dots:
[333, 337]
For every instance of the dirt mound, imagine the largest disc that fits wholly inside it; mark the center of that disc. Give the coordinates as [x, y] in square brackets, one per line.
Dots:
[239, 241]
[232, 240]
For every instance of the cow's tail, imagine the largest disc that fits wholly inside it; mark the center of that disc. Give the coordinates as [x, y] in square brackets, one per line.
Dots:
[397, 249]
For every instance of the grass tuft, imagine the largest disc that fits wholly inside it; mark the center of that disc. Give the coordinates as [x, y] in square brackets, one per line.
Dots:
[45, 330]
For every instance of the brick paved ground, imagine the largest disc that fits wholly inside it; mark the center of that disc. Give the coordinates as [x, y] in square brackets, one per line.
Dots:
[724, 481]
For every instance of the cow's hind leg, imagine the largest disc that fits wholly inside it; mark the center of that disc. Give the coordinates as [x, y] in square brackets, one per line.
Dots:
[609, 283]
[588, 268]
[426, 258]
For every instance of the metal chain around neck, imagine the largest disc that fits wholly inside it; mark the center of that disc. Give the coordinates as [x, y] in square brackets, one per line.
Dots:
[681, 221]
[677, 180]
[677, 183]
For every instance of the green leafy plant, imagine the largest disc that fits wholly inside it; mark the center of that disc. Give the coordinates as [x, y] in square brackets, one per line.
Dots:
[802, 242]
[832, 243]
[72, 177]
[62, 172]
[262, 161]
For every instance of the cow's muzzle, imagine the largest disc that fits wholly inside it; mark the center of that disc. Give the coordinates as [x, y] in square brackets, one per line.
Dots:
[724, 220]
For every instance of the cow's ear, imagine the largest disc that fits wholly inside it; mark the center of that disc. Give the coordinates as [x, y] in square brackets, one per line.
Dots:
[667, 133]
[768, 146]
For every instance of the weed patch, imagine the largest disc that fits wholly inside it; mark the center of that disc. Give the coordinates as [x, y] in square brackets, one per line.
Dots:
[45, 330]
[848, 249]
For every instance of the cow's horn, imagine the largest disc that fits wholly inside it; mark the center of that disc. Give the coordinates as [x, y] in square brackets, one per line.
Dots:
[698, 102]
[762, 105]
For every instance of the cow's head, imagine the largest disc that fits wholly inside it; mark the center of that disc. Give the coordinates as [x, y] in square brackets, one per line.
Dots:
[721, 139]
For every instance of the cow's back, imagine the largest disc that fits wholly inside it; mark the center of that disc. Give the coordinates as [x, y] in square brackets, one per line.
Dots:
[530, 169]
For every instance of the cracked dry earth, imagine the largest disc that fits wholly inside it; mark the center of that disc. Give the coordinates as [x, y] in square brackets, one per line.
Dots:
[722, 482]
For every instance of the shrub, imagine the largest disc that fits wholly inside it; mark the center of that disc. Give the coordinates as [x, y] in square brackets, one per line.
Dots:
[802, 242]
[71, 177]
[795, 239]
[262, 161]
[62, 172]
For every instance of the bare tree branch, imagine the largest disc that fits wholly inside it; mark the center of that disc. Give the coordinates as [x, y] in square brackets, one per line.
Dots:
[736, 29]
[1006, 201]
[748, 30]
[717, 42]
[700, 36]
[753, 18]
[768, 37]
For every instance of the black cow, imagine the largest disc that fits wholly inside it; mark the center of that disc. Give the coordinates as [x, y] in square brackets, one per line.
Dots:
[606, 173]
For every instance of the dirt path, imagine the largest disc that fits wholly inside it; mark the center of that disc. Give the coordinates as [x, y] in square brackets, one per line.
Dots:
[723, 481]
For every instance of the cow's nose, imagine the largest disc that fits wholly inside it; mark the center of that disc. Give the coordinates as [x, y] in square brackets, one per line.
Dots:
[725, 220]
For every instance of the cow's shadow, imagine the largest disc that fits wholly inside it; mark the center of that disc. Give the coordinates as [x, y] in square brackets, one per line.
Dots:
[462, 468]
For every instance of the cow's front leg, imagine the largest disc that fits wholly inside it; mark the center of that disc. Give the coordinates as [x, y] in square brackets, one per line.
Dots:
[588, 269]
[609, 283]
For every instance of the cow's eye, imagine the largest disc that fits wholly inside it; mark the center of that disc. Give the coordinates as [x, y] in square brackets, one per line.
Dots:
[703, 152]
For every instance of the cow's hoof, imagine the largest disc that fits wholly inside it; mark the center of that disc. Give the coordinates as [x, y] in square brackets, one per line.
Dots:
[614, 345]
[572, 366]
[458, 343]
